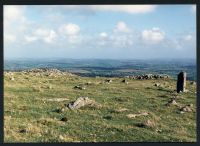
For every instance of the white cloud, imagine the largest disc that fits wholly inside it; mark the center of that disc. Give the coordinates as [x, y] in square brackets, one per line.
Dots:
[122, 27]
[14, 17]
[132, 9]
[51, 37]
[71, 32]
[9, 38]
[154, 35]
[193, 8]
[103, 35]
[188, 37]
[70, 29]
[46, 35]
[13, 12]
[30, 38]
[15, 23]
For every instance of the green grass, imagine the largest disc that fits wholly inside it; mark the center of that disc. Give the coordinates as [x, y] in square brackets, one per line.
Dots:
[27, 107]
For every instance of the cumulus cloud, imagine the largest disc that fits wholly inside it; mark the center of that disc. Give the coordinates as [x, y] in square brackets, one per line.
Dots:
[30, 38]
[122, 41]
[9, 38]
[46, 35]
[70, 29]
[122, 27]
[12, 12]
[71, 32]
[14, 22]
[193, 8]
[103, 35]
[188, 37]
[154, 35]
[131, 9]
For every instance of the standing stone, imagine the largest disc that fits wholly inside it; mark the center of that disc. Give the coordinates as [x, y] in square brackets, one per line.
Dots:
[181, 82]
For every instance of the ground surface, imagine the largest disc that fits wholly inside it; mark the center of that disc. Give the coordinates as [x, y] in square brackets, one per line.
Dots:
[31, 101]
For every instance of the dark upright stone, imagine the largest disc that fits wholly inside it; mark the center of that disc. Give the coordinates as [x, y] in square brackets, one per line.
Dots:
[181, 82]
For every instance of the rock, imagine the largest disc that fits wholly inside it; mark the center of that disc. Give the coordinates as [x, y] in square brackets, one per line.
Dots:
[171, 102]
[23, 131]
[131, 116]
[193, 83]
[60, 110]
[79, 87]
[157, 84]
[125, 81]
[158, 130]
[107, 117]
[156, 76]
[121, 110]
[108, 81]
[61, 137]
[148, 124]
[181, 82]
[82, 102]
[12, 78]
[64, 119]
[186, 109]
[88, 83]
[191, 105]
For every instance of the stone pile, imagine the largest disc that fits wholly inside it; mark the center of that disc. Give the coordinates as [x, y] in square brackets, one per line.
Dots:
[150, 76]
[47, 72]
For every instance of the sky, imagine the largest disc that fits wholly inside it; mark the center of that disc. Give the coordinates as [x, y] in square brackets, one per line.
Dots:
[100, 31]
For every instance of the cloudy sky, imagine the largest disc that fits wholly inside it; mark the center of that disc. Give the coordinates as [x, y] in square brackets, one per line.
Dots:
[100, 31]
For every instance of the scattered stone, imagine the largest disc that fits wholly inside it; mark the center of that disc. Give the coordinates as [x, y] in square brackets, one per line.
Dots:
[146, 124]
[49, 87]
[64, 119]
[193, 83]
[125, 81]
[108, 81]
[82, 102]
[157, 84]
[61, 110]
[191, 105]
[88, 83]
[121, 110]
[158, 130]
[181, 82]
[12, 78]
[150, 76]
[23, 131]
[56, 99]
[61, 137]
[186, 108]
[47, 72]
[107, 117]
[52, 99]
[131, 116]
[171, 102]
[79, 87]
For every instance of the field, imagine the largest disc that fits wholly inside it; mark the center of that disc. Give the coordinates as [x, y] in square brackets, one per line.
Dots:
[32, 101]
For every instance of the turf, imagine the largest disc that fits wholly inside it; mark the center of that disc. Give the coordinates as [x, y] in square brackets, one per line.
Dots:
[31, 101]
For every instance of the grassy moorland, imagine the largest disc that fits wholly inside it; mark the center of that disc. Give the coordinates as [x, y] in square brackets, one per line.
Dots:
[31, 101]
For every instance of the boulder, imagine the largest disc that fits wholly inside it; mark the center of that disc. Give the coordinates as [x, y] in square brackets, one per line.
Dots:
[108, 81]
[79, 87]
[82, 102]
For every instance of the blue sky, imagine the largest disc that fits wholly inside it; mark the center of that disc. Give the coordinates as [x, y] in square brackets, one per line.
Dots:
[100, 31]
